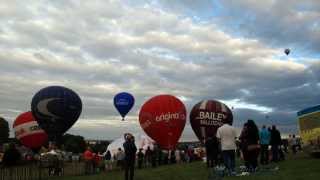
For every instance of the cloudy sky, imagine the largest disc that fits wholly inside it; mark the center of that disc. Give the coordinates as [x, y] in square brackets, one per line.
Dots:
[227, 50]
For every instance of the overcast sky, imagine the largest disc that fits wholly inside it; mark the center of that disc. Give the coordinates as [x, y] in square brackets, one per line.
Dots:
[229, 50]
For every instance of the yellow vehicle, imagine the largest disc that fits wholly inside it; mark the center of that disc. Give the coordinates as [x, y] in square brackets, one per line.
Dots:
[309, 125]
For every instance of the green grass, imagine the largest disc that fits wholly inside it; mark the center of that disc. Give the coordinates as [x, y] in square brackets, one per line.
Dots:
[300, 167]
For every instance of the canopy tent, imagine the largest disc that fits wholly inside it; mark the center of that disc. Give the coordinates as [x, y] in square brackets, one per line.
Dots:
[141, 141]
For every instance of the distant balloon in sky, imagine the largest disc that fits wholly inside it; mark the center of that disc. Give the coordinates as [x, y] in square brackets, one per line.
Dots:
[207, 116]
[123, 102]
[287, 51]
[163, 118]
[28, 132]
[56, 109]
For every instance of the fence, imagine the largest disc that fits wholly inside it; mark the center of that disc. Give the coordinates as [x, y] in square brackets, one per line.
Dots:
[40, 171]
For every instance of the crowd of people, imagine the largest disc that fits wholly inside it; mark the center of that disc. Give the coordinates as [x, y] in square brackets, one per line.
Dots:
[253, 146]
[129, 156]
[16, 154]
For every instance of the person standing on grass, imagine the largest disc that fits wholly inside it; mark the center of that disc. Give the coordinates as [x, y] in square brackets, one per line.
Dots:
[160, 156]
[172, 156]
[130, 150]
[140, 158]
[165, 157]
[294, 143]
[120, 158]
[275, 142]
[264, 135]
[108, 161]
[227, 136]
[178, 156]
[285, 145]
[98, 163]
[299, 145]
[244, 145]
[154, 158]
[212, 150]
[88, 159]
[250, 142]
[147, 157]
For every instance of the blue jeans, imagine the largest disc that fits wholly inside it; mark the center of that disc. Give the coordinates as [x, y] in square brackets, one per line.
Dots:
[229, 159]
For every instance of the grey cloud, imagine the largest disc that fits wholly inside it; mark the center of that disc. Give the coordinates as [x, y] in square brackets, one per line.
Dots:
[190, 7]
[280, 23]
[284, 120]
[98, 53]
[283, 24]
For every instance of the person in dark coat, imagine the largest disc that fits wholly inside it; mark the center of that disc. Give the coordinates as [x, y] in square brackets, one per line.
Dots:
[107, 160]
[250, 145]
[212, 150]
[130, 150]
[140, 158]
[148, 157]
[154, 158]
[275, 142]
[244, 145]
[160, 156]
[172, 156]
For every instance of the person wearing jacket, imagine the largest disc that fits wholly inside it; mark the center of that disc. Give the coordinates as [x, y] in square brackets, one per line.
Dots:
[264, 135]
[275, 142]
[88, 159]
[212, 150]
[130, 150]
[250, 145]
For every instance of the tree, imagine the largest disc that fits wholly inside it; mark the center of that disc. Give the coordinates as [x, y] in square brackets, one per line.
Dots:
[4, 130]
[73, 143]
[100, 146]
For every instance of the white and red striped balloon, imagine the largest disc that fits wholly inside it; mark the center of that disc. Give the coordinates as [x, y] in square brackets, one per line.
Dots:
[28, 132]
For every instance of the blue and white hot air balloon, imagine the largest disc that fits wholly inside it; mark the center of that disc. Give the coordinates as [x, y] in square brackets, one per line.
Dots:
[56, 109]
[123, 102]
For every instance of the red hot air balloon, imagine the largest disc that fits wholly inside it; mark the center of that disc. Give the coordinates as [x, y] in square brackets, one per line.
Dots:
[28, 132]
[163, 118]
[207, 116]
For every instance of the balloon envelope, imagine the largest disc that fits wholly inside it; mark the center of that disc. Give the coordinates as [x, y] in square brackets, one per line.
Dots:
[123, 103]
[207, 116]
[56, 109]
[141, 141]
[287, 51]
[163, 119]
[28, 132]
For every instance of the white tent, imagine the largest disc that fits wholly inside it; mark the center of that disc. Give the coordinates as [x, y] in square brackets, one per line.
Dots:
[141, 141]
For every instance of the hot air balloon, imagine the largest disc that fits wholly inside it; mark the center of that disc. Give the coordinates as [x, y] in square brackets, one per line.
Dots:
[123, 103]
[287, 51]
[28, 132]
[207, 116]
[163, 118]
[56, 109]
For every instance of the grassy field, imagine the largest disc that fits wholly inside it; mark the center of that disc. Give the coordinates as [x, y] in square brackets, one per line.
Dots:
[300, 167]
